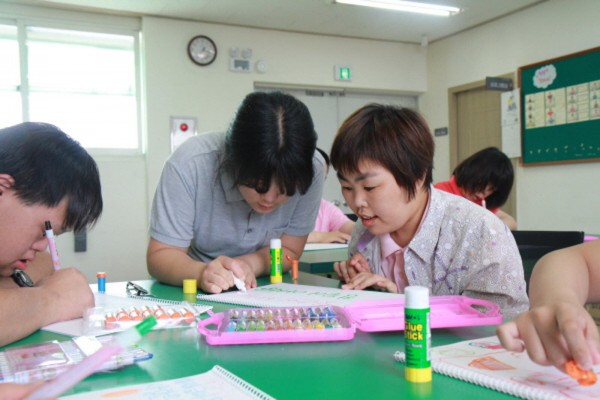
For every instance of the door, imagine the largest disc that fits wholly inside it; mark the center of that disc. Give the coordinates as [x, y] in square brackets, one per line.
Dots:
[475, 123]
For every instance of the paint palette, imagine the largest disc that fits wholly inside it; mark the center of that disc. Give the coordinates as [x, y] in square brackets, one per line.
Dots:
[106, 319]
[277, 325]
[333, 323]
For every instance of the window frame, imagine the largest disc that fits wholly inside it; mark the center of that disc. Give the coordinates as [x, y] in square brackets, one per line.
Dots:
[22, 23]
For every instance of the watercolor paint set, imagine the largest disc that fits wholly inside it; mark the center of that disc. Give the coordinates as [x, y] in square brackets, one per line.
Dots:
[334, 323]
[127, 312]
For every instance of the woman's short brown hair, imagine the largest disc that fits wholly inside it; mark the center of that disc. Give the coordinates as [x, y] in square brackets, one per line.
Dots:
[396, 138]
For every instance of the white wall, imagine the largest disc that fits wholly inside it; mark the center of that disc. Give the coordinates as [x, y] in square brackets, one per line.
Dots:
[176, 86]
[558, 197]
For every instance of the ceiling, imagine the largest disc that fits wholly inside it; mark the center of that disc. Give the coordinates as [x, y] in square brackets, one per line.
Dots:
[310, 16]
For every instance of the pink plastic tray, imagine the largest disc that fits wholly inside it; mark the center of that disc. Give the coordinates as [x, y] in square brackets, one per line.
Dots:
[331, 323]
[446, 312]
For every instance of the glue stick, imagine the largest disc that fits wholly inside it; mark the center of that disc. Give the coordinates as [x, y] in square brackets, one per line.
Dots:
[276, 269]
[417, 334]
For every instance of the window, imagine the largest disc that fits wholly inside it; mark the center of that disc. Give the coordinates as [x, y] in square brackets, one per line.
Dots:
[82, 82]
[11, 112]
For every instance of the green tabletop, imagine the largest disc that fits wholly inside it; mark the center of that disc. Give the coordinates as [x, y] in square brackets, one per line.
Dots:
[357, 369]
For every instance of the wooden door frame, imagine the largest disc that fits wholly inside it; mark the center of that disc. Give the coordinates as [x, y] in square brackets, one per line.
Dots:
[452, 113]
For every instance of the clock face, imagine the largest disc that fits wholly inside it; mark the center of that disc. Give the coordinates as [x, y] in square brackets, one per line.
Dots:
[202, 50]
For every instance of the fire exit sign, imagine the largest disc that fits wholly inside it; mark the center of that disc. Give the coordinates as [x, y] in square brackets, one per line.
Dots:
[342, 73]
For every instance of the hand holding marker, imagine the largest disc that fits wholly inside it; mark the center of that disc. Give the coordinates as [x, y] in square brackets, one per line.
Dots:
[52, 245]
[92, 363]
[238, 283]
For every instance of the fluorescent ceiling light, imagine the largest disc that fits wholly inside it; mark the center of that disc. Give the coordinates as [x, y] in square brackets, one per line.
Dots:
[408, 6]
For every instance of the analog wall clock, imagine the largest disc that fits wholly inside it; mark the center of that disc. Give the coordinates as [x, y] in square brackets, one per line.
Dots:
[202, 50]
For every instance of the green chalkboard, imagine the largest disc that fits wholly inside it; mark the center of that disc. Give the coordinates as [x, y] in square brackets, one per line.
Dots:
[560, 104]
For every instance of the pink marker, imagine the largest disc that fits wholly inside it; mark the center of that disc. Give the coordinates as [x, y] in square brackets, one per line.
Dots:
[52, 245]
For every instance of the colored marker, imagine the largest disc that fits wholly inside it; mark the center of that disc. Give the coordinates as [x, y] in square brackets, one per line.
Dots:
[101, 276]
[52, 245]
[294, 267]
[92, 363]
[238, 283]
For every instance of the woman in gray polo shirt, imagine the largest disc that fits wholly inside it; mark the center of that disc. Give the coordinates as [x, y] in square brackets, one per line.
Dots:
[223, 196]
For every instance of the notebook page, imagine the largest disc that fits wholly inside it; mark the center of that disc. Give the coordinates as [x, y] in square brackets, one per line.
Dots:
[218, 383]
[486, 363]
[290, 295]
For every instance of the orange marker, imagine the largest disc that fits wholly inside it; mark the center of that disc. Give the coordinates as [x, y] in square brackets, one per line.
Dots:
[110, 322]
[294, 267]
[122, 315]
[187, 315]
[159, 313]
[134, 314]
[584, 378]
[146, 311]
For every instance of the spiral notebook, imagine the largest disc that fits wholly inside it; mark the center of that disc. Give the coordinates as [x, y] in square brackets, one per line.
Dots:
[217, 383]
[290, 295]
[484, 362]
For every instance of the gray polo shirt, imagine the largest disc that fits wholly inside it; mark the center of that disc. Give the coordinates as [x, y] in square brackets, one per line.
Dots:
[197, 206]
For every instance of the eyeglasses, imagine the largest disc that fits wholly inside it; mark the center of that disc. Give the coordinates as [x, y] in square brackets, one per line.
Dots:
[137, 290]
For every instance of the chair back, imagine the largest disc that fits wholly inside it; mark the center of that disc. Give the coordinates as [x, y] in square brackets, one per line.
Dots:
[535, 244]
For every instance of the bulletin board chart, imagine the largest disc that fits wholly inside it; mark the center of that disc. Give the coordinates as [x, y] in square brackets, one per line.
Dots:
[560, 104]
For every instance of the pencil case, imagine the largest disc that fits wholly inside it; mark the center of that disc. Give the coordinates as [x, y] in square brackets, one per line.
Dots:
[333, 323]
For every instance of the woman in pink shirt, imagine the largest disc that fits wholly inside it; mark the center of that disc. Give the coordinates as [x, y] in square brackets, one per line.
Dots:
[332, 225]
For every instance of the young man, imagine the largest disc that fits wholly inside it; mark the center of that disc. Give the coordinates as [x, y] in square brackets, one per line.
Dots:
[44, 176]
[223, 197]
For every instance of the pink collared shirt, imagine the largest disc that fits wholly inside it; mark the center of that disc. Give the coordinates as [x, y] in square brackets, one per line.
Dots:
[392, 262]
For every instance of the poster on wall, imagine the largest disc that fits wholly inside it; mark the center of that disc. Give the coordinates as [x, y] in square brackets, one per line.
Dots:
[511, 123]
[560, 117]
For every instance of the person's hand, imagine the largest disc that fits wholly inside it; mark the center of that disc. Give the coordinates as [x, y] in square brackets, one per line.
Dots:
[14, 391]
[217, 276]
[346, 270]
[329, 237]
[71, 292]
[554, 334]
[365, 280]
